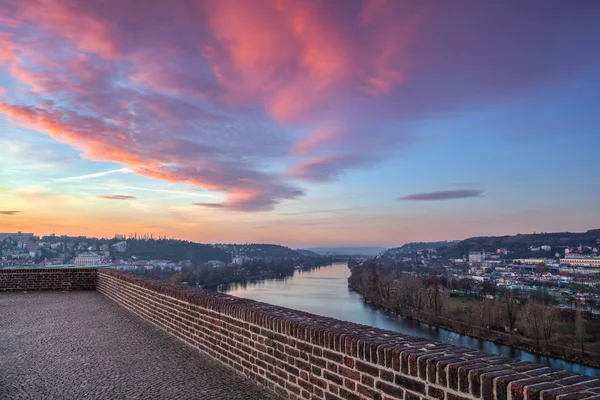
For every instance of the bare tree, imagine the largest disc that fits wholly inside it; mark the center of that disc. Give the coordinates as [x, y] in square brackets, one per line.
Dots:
[511, 309]
[550, 315]
[534, 316]
[580, 328]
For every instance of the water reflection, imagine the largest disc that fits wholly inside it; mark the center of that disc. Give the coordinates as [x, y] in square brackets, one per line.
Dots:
[324, 291]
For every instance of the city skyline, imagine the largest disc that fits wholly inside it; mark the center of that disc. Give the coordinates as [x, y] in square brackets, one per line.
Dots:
[300, 123]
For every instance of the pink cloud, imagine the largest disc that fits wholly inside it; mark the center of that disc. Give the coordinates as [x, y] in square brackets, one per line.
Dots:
[116, 197]
[326, 168]
[205, 92]
[317, 140]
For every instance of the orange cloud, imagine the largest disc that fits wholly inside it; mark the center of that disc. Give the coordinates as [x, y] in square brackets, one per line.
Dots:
[175, 98]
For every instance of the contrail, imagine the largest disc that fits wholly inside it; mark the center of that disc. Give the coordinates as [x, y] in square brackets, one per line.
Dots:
[97, 175]
[165, 191]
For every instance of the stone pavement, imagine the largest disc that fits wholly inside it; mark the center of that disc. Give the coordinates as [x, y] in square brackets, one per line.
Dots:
[81, 345]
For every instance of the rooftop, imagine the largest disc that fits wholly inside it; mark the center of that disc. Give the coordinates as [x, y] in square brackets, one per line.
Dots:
[71, 345]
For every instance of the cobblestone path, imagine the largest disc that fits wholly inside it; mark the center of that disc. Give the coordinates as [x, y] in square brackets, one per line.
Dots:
[81, 345]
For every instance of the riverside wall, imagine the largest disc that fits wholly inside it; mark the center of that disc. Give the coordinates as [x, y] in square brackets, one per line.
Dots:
[300, 355]
[304, 356]
[26, 279]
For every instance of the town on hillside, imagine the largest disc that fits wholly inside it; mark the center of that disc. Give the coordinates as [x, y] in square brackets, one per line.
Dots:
[179, 261]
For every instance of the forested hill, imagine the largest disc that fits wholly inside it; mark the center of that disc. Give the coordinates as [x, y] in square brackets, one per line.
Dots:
[307, 253]
[256, 250]
[176, 250]
[519, 244]
[416, 246]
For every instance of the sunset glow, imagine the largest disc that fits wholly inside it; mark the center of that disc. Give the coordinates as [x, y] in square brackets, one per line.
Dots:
[299, 122]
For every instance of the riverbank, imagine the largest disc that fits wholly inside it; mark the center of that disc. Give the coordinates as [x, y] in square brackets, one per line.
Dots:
[517, 341]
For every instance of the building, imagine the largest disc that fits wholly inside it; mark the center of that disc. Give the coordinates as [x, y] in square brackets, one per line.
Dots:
[531, 261]
[120, 247]
[581, 262]
[215, 263]
[16, 236]
[476, 256]
[87, 259]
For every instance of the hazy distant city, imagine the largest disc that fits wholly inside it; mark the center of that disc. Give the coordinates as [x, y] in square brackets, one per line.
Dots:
[558, 261]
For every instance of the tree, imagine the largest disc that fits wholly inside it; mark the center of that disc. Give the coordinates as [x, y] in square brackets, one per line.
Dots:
[511, 308]
[534, 315]
[580, 328]
[465, 285]
[488, 288]
[550, 315]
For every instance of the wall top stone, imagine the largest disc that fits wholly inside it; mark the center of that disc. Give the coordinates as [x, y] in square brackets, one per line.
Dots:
[321, 330]
[46, 269]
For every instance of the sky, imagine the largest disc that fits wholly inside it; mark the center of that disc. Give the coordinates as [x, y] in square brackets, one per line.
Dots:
[303, 123]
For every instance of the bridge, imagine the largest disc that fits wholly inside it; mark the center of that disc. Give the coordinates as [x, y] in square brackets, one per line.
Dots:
[103, 333]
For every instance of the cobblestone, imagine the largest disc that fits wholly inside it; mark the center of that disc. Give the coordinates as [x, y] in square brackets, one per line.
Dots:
[81, 345]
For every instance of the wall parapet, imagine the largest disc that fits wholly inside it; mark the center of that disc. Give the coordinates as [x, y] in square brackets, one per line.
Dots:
[25, 279]
[300, 355]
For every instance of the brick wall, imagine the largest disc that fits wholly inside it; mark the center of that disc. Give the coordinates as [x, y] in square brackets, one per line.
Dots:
[303, 356]
[48, 279]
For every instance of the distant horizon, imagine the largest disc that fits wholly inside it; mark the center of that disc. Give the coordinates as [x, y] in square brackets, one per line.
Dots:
[292, 246]
[351, 123]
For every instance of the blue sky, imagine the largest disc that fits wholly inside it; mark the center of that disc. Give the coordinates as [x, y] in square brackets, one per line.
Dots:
[305, 132]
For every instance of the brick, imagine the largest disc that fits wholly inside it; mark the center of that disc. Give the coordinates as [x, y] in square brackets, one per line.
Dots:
[552, 394]
[333, 378]
[517, 389]
[318, 382]
[367, 368]
[349, 362]
[387, 376]
[436, 393]
[350, 384]
[318, 361]
[333, 356]
[487, 382]
[502, 385]
[475, 378]
[367, 380]
[578, 396]
[390, 389]
[349, 373]
[344, 394]
[452, 396]
[410, 384]
[411, 396]
[305, 385]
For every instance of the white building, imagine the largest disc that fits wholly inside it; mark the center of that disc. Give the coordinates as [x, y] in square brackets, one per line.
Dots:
[531, 261]
[120, 247]
[581, 262]
[237, 261]
[87, 259]
[476, 256]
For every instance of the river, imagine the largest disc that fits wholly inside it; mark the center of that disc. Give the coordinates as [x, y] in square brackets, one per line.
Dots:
[324, 291]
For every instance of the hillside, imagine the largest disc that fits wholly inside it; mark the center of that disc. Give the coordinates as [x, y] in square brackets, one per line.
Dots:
[348, 251]
[176, 250]
[256, 250]
[519, 244]
[306, 253]
[415, 246]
